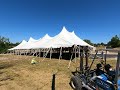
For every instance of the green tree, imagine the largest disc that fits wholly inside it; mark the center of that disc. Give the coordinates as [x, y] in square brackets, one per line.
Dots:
[114, 42]
[5, 44]
[88, 41]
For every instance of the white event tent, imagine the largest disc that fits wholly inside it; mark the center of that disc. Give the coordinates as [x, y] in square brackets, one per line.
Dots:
[63, 39]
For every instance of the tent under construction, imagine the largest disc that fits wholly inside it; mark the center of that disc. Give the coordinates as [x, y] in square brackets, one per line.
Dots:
[64, 44]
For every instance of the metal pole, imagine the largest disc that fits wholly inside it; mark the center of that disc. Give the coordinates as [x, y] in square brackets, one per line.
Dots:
[39, 53]
[117, 75]
[53, 82]
[86, 57]
[75, 52]
[50, 53]
[81, 59]
[105, 56]
[93, 60]
[60, 53]
[71, 58]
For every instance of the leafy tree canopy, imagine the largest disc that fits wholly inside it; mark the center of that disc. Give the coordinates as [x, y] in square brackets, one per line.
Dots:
[114, 42]
[5, 44]
[88, 41]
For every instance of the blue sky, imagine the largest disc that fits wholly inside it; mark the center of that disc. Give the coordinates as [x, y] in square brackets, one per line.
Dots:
[96, 20]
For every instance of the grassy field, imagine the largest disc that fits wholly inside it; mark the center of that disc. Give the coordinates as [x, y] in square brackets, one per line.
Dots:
[17, 73]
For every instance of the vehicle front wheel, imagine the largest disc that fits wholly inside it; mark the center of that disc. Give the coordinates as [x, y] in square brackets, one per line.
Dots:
[76, 83]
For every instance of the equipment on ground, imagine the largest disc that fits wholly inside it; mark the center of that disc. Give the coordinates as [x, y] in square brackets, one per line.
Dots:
[85, 78]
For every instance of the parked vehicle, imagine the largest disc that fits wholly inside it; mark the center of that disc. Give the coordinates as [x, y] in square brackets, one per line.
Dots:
[86, 79]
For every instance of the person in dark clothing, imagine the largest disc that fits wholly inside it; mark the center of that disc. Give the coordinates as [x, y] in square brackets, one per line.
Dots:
[110, 72]
[99, 70]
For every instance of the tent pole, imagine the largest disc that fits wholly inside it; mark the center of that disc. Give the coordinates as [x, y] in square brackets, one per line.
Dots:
[46, 54]
[71, 58]
[18, 52]
[27, 51]
[39, 53]
[21, 51]
[60, 53]
[43, 52]
[34, 52]
[24, 52]
[79, 51]
[50, 53]
[13, 52]
[75, 54]
[30, 52]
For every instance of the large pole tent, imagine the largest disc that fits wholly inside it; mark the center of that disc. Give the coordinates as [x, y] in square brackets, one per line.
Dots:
[61, 43]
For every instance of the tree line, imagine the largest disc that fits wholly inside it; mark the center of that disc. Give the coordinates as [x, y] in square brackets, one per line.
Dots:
[5, 43]
[113, 43]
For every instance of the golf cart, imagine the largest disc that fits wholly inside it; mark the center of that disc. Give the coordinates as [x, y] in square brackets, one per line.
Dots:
[85, 79]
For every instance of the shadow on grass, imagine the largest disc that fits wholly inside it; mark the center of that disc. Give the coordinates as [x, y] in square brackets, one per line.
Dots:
[5, 65]
[6, 78]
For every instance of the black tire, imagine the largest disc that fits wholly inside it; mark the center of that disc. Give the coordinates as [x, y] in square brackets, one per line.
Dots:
[76, 83]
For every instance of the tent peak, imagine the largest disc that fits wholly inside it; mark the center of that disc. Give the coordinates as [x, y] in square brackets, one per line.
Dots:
[32, 39]
[64, 31]
[73, 32]
[24, 41]
[46, 36]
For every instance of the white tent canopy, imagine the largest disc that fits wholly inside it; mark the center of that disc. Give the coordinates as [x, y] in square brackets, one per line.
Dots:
[41, 42]
[60, 40]
[19, 46]
[63, 39]
[35, 44]
[32, 40]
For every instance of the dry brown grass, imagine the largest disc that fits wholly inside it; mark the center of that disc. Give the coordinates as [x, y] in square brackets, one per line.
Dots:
[16, 73]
